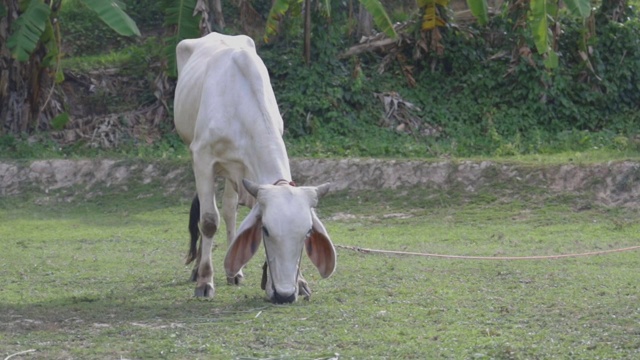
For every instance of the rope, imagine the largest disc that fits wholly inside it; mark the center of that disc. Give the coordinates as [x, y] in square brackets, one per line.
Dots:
[20, 353]
[541, 257]
[283, 182]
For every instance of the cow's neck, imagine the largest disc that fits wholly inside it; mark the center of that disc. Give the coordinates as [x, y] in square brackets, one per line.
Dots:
[272, 165]
[272, 174]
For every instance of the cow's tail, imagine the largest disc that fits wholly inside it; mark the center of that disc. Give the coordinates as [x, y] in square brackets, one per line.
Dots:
[194, 230]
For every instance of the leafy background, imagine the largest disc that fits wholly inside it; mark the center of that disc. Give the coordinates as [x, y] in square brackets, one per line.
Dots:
[482, 95]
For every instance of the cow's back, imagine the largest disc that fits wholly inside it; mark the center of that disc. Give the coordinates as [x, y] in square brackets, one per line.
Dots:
[207, 76]
[225, 106]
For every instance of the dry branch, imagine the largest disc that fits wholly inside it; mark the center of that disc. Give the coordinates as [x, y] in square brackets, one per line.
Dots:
[366, 47]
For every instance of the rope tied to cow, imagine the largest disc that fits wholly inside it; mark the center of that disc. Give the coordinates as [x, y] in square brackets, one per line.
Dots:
[284, 182]
[466, 257]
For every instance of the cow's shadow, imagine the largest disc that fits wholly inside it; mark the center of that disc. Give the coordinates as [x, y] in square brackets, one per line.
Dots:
[129, 306]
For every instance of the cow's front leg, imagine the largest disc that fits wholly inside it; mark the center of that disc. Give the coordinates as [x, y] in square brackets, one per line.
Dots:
[204, 279]
[209, 220]
[229, 213]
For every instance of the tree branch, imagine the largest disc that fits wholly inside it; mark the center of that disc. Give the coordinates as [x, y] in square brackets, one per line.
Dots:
[367, 47]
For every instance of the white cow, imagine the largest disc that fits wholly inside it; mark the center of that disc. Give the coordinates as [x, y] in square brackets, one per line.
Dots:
[226, 111]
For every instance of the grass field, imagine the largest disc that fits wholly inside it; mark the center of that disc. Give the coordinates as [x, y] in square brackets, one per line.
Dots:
[104, 278]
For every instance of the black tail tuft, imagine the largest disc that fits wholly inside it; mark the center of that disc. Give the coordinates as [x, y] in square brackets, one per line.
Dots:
[194, 230]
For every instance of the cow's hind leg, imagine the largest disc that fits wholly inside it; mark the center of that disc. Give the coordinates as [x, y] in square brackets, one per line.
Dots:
[194, 271]
[195, 249]
[229, 213]
[209, 221]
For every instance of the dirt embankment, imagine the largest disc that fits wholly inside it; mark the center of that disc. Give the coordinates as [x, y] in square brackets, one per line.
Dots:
[611, 184]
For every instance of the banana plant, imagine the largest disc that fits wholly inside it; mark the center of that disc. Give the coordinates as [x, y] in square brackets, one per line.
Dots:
[380, 17]
[182, 24]
[281, 7]
[35, 18]
[431, 17]
[28, 29]
[278, 10]
[580, 8]
[480, 10]
[541, 12]
[32, 50]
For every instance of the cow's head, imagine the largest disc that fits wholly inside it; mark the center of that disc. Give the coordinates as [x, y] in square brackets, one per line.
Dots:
[285, 219]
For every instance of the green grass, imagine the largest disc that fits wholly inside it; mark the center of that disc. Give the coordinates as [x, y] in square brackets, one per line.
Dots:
[93, 62]
[133, 60]
[42, 146]
[104, 278]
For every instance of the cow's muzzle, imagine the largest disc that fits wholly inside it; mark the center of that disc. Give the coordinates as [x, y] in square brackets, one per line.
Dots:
[283, 299]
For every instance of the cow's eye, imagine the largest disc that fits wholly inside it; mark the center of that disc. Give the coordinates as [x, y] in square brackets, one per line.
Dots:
[309, 232]
[265, 231]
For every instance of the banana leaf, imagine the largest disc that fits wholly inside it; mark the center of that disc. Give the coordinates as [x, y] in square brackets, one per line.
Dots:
[539, 25]
[111, 12]
[431, 17]
[179, 15]
[28, 29]
[581, 8]
[374, 7]
[327, 8]
[278, 9]
[380, 17]
[479, 9]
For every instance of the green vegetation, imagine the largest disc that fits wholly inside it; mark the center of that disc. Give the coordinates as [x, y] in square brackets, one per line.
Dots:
[487, 98]
[131, 59]
[487, 93]
[101, 274]
[43, 147]
[83, 33]
[104, 278]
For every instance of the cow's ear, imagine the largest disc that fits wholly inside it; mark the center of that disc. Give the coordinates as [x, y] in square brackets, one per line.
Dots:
[246, 244]
[320, 248]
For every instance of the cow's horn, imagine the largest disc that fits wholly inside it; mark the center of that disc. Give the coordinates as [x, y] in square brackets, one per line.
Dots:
[251, 187]
[323, 189]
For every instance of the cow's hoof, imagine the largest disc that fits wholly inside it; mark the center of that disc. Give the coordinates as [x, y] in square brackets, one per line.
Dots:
[205, 291]
[235, 280]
